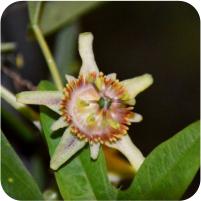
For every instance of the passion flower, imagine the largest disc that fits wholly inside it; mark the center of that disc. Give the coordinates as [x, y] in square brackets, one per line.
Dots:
[95, 108]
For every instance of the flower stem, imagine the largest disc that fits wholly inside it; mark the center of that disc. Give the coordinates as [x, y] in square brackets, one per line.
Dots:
[48, 56]
[25, 110]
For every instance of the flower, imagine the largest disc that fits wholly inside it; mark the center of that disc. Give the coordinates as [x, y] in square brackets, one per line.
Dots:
[95, 108]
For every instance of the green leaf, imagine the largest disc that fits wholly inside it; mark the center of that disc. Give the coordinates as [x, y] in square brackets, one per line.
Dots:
[65, 50]
[169, 169]
[22, 130]
[16, 180]
[34, 11]
[55, 14]
[38, 170]
[81, 178]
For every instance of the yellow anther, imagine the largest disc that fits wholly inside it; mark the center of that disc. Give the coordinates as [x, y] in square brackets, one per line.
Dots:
[125, 97]
[81, 103]
[113, 124]
[99, 82]
[90, 119]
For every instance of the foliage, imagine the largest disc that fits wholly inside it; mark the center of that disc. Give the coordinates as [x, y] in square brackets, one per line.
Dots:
[169, 168]
[16, 180]
[54, 15]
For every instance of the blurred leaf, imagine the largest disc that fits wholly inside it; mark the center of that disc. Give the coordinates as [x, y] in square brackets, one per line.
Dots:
[16, 180]
[34, 11]
[38, 171]
[169, 169]
[65, 50]
[80, 178]
[25, 132]
[55, 14]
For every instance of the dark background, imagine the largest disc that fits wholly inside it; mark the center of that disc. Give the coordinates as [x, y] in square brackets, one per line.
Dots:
[131, 38]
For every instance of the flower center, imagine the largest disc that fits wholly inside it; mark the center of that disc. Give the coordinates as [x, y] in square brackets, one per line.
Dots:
[96, 108]
[104, 102]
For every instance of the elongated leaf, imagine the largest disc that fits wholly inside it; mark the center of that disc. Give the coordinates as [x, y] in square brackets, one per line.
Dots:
[56, 14]
[21, 129]
[169, 169]
[34, 11]
[81, 178]
[38, 170]
[16, 180]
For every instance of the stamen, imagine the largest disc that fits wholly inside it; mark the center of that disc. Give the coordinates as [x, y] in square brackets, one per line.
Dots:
[90, 119]
[96, 108]
[113, 124]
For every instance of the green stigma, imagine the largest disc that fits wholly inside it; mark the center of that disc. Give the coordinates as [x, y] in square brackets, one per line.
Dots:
[104, 103]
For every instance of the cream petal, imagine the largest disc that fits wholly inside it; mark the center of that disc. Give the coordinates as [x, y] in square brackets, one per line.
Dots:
[37, 125]
[69, 78]
[86, 54]
[67, 147]
[137, 84]
[112, 76]
[50, 99]
[136, 118]
[60, 123]
[129, 150]
[55, 108]
[131, 101]
[94, 150]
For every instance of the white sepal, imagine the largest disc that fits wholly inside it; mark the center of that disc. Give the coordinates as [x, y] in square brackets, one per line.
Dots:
[94, 150]
[69, 78]
[50, 99]
[86, 54]
[112, 76]
[129, 150]
[60, 123]
[138, 84]
[136, 118]
[67, 147]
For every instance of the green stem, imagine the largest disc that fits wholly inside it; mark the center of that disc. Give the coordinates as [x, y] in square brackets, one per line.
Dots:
[25, 110]
[7, 47]
[48, 56]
